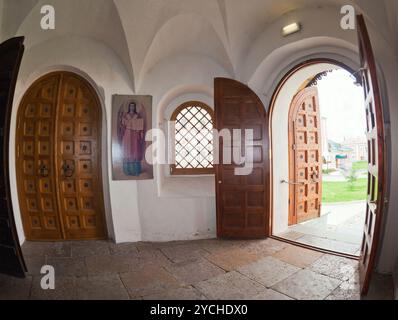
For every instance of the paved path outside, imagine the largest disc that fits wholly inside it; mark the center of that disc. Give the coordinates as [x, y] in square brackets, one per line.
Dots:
[339, 228]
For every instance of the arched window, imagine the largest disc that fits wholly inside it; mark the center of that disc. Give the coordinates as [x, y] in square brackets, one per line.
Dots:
[193, 144]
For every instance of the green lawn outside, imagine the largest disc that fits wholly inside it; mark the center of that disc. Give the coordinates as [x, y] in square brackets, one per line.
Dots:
[360, 165]
[342, 191]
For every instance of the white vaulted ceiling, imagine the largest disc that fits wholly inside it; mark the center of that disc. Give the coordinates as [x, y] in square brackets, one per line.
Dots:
[145, 34]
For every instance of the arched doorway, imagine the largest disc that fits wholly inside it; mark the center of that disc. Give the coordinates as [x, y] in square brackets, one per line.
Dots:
[58, 160]
[327, 149]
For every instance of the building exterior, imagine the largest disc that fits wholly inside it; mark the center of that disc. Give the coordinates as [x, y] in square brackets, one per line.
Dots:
[359, 148]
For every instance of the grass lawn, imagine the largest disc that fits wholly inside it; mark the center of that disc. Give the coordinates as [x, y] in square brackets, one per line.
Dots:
[360, 165]
[342, 191]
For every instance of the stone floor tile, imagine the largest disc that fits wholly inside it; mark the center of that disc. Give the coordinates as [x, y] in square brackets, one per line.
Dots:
[346, 291]
[152, 256]
[101, 287]
[328, 244]
[51, 249]
[149, 280]
[191, 272]
[89, 248]
[15, 288]
[307, 285]
[270, 294]
[216, 246]
[183, 252]
[123, 249]
[64, 289]
[34, 264]
[230, 286]
[268, 271]
[335, 267]
[231, 259]
[74, 267]
[183, 293]
[264, 247]
[106, 264]
[298, 256]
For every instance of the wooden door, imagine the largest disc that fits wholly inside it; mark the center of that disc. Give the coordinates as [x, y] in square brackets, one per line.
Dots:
[11, 259]
[305, 157]
[377, 156]
[242, 200]
[35, 161]
[78, 160]
[58, 160]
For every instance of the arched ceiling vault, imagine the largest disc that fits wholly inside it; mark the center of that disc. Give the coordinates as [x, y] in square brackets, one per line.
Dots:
[143, 33]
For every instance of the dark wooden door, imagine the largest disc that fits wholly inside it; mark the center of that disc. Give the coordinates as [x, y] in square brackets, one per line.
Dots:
[377, 156]
[59, 160]
[305, 157]
[11, 259]
[242, 200]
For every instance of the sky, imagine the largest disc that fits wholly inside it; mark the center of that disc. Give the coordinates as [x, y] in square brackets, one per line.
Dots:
[342, 103]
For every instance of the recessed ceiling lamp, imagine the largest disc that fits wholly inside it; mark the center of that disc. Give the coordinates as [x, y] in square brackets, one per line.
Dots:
[291, 28]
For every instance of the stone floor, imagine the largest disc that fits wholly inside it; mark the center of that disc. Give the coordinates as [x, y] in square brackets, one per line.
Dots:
[191, 270]
[339, 228]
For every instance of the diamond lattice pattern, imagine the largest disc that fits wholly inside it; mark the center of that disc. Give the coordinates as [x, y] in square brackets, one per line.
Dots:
[194, 139]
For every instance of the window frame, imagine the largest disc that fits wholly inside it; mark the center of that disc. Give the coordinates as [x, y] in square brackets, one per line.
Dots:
[190, 171]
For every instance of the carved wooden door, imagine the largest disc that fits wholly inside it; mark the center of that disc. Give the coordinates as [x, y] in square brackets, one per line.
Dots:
[242, 200]
[305, 157]
[35, 149]
[58, 160]
[78, 160]
[11, 259]
[377, 156]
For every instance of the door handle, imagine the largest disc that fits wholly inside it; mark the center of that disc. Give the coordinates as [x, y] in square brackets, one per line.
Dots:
[293, 183]
[68, 170]
[43, 171]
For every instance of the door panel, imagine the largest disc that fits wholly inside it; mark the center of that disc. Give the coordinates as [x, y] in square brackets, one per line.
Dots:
[35, 161]
[242, 200]
[305, 157]
[11, 259]
[78, 161]
[377, 156]
[59, 153]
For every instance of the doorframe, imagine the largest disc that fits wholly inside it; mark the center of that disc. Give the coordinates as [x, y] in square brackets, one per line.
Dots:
[281, 81]
[100, 96]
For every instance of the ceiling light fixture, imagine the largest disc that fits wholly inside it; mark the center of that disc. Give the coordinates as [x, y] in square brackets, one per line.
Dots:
[291, 28]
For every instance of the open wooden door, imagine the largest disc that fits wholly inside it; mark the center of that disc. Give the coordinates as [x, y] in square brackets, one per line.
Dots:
[305, 157]
[376, 150]
[11, 260]
[242, 200]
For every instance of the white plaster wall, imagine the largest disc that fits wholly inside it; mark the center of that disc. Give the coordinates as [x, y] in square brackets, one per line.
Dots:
[178, 208]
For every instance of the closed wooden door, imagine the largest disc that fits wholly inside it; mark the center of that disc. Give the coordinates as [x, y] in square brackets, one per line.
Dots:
[58, 160]
[11, 259]
[377, 156]
[242, 200]
[305, 157]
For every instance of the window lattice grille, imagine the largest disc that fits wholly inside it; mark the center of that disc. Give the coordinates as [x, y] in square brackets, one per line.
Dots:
[194, 137]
